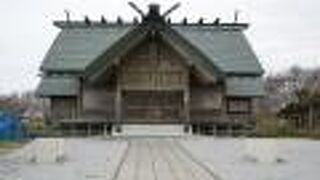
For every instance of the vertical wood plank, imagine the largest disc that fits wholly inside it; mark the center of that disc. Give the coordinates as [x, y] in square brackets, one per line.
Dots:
[187, 104]
[118, 101]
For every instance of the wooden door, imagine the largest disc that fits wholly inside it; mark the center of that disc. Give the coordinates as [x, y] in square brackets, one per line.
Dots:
[150, 107]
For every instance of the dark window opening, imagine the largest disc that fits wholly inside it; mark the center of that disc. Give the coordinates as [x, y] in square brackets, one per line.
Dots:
[239, 105]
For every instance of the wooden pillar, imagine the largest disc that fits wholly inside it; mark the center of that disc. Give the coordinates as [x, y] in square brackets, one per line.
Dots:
[79, 103]
[186, 102]
[118, 106]
[230, 130]
[51, 113]
[73, 129]
[89, 129]
[215, 130]
[105, 130]
[310, 117]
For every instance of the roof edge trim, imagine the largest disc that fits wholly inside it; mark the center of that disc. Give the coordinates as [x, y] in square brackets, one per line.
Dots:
[82, 24]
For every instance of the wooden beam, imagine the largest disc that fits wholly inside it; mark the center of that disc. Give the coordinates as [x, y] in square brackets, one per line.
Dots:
[89, 129]
[186, 100]
[79, 102]
[118, 100]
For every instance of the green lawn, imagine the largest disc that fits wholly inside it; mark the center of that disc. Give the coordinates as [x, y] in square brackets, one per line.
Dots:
[7, 146]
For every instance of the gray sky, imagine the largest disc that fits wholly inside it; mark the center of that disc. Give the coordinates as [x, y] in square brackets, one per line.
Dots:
[283, 32]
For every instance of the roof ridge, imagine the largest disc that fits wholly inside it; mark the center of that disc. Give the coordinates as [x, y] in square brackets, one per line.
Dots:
[82, 24]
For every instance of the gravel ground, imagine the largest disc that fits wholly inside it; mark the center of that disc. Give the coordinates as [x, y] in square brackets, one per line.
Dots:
[235, 159]
[139, 158]
[188, 158]
[85, 159]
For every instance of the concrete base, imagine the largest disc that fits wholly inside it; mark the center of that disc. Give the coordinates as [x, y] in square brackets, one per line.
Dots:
[45, 150]
[150, 130]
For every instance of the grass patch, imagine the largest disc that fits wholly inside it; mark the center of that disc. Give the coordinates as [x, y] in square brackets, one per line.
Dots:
[271, 126]
[7, 146]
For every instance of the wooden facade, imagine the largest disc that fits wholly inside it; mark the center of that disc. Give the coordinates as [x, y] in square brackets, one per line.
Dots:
[153, 84]
[152, 81]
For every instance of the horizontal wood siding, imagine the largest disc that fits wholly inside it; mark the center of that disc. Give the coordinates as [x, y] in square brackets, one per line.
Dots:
[153, 66]
[98, 103]
[206, 98]
[152, 106]
[64, 108]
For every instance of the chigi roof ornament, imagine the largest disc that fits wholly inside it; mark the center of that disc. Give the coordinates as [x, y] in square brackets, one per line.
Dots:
[153, 17]
[154, 13]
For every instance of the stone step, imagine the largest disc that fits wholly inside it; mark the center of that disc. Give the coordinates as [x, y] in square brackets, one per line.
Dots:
[150, 130]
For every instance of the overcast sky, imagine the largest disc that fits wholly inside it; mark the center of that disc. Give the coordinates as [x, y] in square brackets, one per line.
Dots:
[283, 32]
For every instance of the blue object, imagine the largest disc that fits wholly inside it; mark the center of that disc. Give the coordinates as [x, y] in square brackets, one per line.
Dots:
[10, 127]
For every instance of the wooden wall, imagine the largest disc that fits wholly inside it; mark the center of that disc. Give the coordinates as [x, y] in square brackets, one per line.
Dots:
[153, 106]
[206, 97]
[64, 108]
[98, 103]
[206, 103]
[152, 80]
[153, 66]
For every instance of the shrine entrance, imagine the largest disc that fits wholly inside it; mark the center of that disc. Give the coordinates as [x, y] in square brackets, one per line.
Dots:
[152, 107]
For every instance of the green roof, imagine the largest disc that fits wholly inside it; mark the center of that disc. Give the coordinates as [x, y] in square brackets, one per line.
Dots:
[75, 48]
[222, 48]
[58, 86]
[244, 86]
[228, 49]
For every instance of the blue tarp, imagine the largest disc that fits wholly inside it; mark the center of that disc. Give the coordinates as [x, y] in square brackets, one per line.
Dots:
[10, 127]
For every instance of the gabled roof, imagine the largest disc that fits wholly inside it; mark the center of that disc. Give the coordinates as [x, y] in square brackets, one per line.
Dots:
[58, 86]
[75, 48]
[149, 30]
[228, 49]
[79, 45]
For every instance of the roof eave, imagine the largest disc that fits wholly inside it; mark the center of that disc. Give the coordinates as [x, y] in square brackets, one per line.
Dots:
[222, 26]
[245, 96]
[248, 73]
[82, 24]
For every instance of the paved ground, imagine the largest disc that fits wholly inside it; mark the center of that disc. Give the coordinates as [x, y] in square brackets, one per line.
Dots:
[250, 158]
[187, 158]
[86, 159]
[160, 159]
[112, 159]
